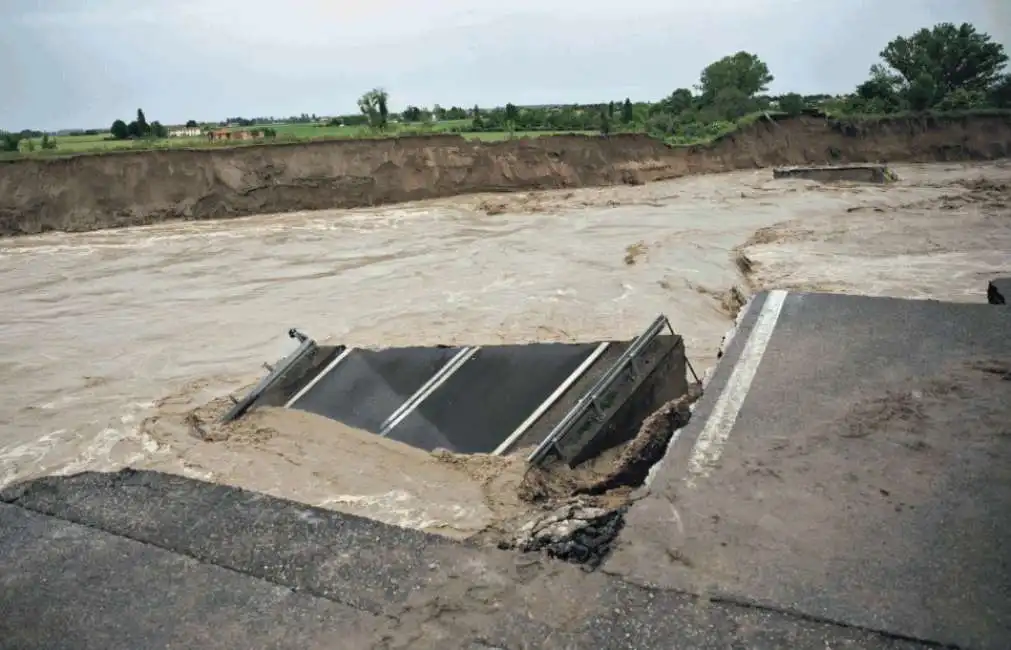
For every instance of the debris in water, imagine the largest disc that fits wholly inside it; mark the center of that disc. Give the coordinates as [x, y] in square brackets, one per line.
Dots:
[634, 251]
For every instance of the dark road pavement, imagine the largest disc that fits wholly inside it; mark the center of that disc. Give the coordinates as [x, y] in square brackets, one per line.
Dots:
[851, 461]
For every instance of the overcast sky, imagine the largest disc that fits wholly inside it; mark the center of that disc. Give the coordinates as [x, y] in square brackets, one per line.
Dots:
[84, 63]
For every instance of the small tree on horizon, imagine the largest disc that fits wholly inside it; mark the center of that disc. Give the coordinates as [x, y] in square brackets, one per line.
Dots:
[9, 141]
[627, 115]
[384, 110]
[374, 106]
[143, 128]
[411, 114]
[119, 130]
[605, 123]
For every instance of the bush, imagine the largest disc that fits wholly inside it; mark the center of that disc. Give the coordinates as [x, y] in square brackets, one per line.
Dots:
[9, 141]
[119, 130]
[792, 104]
[962, 99]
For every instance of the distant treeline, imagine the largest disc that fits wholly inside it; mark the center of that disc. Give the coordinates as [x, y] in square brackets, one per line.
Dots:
[944, 68]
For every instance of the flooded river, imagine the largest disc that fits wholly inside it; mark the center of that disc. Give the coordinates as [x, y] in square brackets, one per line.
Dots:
[97, 328]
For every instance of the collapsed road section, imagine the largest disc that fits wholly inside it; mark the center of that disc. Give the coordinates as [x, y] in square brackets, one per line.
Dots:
[850, 461]
[567, 401]
[844, 482]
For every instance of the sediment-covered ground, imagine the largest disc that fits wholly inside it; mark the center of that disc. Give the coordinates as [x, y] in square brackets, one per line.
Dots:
[349, 470]
[115, 337]
[127, 189]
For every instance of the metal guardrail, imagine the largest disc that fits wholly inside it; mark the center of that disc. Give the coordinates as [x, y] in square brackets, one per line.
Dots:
[592, 397]
[306, 347]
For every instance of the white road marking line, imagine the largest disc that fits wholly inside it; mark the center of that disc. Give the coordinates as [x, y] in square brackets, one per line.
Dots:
[436, 380]
[713, 438]
[508, 443]
[315, 380]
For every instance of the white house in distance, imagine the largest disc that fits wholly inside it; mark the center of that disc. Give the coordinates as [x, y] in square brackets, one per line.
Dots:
[191, 132]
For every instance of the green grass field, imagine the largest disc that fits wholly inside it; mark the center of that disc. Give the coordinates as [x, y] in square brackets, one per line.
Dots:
[287, 133]
[102, 143]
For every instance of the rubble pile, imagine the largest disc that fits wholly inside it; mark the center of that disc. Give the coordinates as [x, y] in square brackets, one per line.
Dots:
[575, 532]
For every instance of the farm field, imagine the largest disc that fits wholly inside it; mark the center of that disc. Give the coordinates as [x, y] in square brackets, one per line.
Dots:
[293, 132]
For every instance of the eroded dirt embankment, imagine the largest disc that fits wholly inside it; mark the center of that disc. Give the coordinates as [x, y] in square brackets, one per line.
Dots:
[127, 189]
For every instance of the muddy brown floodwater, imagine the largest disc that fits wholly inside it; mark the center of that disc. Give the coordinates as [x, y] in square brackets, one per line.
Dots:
[108, 338]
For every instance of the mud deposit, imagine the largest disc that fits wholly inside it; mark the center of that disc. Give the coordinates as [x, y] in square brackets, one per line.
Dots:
[884, 451]
[901, 415]
[128, 189]
[341, 468]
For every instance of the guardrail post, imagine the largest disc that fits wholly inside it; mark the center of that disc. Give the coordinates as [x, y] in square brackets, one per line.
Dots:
[591, 398]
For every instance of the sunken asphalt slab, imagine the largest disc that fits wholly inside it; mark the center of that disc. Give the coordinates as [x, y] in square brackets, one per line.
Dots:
[473, 411]
[858, 471]
[892, 528]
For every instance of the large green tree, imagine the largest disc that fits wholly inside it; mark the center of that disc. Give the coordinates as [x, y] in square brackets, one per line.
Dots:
[952, 57]
[743, 72]
[945, 67]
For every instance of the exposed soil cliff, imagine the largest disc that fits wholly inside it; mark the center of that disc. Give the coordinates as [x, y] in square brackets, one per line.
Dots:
[90, 192]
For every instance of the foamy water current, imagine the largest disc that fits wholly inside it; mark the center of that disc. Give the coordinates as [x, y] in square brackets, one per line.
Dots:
[96, 328]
